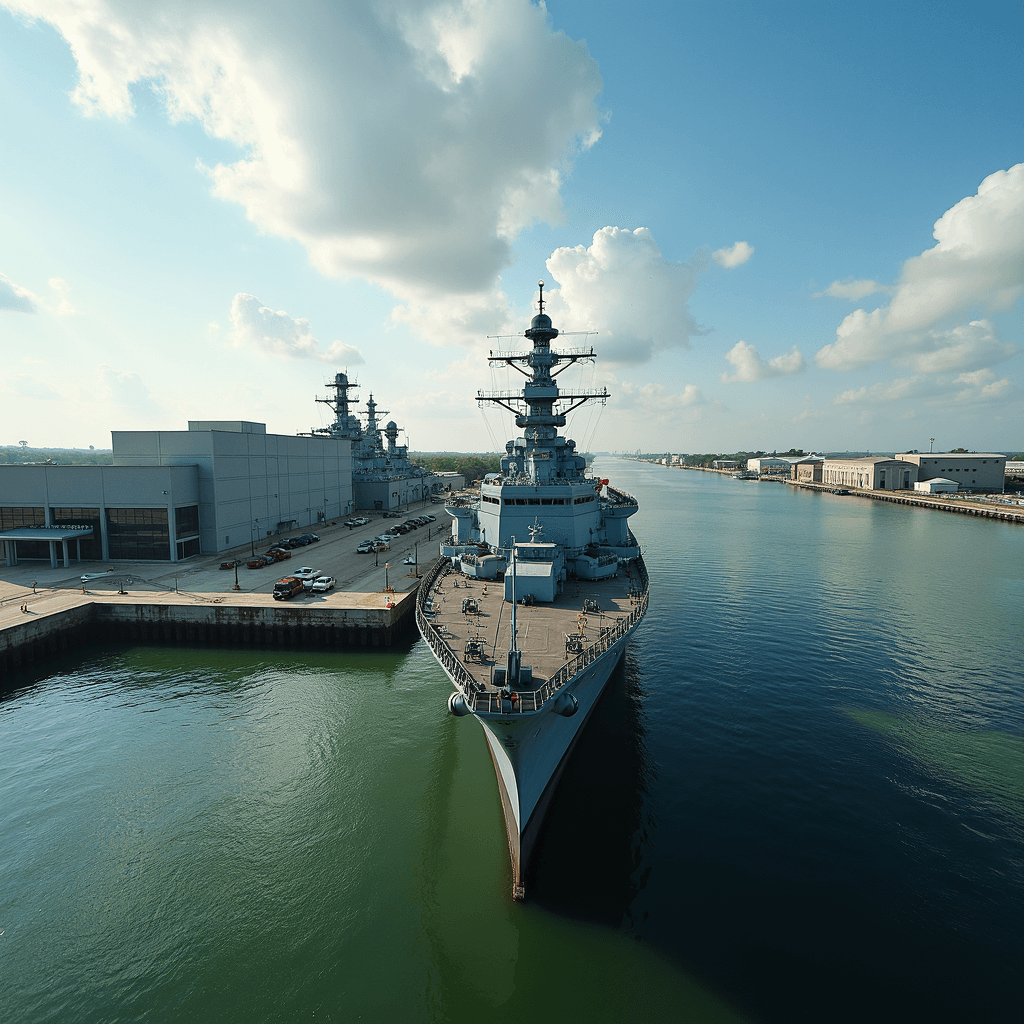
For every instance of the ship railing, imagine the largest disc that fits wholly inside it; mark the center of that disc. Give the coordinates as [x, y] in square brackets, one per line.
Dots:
[527, 701]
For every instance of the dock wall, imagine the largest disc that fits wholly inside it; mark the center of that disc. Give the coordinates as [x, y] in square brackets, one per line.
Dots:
[217, 624]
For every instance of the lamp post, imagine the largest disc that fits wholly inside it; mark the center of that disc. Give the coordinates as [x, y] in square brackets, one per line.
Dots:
[252, 537]
[387, 566]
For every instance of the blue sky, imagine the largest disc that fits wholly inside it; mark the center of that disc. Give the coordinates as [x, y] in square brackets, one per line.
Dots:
[209, 209]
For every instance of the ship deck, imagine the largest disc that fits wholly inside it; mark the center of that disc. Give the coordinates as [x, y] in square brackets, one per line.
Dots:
[542, 627]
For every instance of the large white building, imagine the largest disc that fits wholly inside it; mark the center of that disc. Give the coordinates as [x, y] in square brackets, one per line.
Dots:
[175, 493]
[874, 473]
[973, 471]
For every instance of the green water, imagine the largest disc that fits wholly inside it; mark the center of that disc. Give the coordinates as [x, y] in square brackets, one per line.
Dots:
[222, 835]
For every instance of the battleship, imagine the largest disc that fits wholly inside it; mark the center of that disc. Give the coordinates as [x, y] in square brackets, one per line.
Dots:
[536, 593]
[383, 475]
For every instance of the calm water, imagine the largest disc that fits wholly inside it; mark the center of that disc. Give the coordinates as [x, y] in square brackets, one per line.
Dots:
[802, 797]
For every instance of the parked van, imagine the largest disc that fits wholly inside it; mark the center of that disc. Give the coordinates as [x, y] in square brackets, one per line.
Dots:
[287, 587]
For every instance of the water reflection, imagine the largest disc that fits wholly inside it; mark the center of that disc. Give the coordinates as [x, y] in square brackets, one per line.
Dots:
[592, 857]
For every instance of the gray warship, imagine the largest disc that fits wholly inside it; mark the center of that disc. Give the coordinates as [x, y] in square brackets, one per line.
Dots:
[536, 593]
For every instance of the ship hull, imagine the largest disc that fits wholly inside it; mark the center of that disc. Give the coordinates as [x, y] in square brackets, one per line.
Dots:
[530, 752]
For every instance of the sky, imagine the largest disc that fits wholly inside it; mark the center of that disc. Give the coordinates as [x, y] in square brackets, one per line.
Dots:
[790, 225]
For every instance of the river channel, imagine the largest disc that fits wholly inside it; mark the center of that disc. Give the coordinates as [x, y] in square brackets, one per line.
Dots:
[801, 797]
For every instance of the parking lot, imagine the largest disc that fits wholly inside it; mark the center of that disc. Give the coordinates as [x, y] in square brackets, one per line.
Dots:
[333, 555]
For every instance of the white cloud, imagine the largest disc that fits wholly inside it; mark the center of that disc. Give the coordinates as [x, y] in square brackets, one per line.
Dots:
[257, 326]
[127, 392]
[977, 387]
[854, 290]
[63, 289]
[27, 386]
[15, 298]
[655, 398]
[737, 254]
[404, 143]
[976, 263]
[750, 366]
[622, 287]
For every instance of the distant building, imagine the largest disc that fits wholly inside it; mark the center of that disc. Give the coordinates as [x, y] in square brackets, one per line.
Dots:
[806, 470]
[937, 486]
[973, 471]
[175, 493]
[725, 464]
[769, 464]
[872, 473]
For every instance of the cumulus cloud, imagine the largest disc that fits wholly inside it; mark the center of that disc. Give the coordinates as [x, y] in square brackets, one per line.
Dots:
[750, 366]
[15, 298]
[657, 398]
[622, 287]
[854, 290]
[127, 392]
[27, 386]
[737, 254]
[404, 143]
[63, 289]
[268, 330]
[977, 387]
[976, 263]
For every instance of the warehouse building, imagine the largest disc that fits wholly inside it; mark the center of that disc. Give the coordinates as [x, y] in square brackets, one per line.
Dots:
[873, 473]
[972, 471]
[175, 493]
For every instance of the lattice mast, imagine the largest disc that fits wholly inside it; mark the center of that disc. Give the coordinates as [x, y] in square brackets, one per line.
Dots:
[535, 407]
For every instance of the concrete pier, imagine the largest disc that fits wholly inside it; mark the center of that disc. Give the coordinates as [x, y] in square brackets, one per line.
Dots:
[65, 621]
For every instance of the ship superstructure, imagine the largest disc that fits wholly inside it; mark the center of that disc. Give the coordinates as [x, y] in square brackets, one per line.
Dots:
[383, 477]
[537, 591]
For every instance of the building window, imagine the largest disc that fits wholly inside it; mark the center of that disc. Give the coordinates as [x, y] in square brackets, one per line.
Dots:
[139, 533]
[186, 521]
[188, 548]
[92, 545]
[19, 518]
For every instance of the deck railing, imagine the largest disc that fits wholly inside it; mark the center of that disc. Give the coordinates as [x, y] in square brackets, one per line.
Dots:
[526, 700]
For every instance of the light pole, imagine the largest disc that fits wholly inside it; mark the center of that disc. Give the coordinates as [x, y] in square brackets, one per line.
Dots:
[931, 446]
[387, 566]
[253, 530]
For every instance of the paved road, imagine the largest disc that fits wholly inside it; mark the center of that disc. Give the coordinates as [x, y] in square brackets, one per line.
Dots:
[334, 555]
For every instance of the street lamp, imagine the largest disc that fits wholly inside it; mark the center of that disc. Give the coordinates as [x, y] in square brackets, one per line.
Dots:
[253, 530]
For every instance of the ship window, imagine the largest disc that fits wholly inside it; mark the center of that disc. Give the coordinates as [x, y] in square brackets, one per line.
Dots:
[533, 501]
[545, 501]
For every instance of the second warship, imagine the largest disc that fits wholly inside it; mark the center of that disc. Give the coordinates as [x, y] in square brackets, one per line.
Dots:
[536, 593]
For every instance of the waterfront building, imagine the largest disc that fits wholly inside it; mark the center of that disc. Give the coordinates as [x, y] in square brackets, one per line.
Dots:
[936, 485]
[974, 471]
[724, 464]
[806, 470]
[768, 464]
[872, 473]
[175, 493]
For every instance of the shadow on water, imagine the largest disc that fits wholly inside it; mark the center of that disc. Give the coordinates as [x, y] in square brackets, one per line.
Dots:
[591, 859]
[217, 668]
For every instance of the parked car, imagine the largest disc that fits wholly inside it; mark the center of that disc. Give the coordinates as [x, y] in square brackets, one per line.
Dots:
[365, 549]
[433, 519]
[307, 573]
[287, 587]
[409, 561]
[231, 564]
[323, 583]
[310, 538]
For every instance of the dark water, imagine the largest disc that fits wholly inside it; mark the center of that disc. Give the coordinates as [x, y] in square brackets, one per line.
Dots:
[802, 797]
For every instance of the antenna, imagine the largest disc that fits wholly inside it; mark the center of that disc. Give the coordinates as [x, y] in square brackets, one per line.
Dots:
[540, 284]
